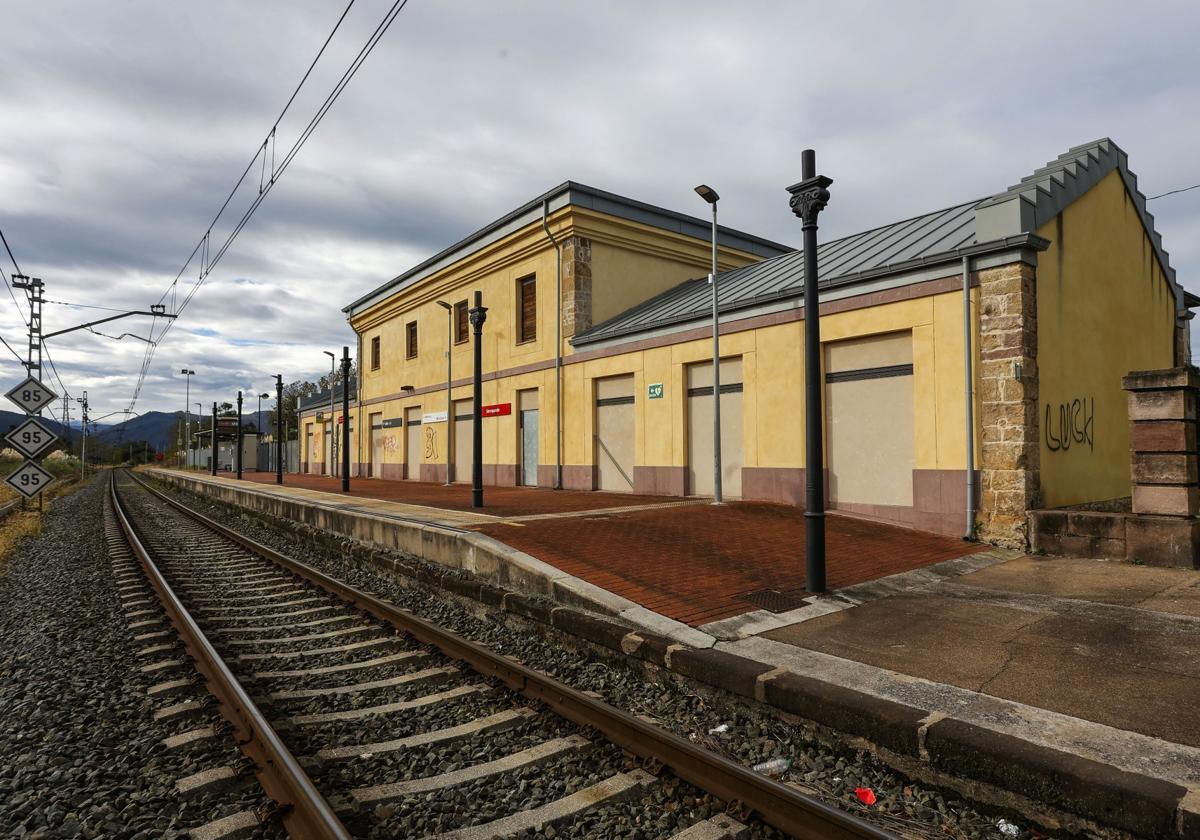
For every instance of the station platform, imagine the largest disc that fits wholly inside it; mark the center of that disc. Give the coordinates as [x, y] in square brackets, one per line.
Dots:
[1093, 660]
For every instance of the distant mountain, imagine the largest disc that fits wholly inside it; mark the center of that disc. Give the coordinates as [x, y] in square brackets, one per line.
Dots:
[157, 428]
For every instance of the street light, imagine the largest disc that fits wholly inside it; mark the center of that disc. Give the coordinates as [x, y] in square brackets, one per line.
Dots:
[187, 405]
[332, 425]
[261, 397]
[710, 195]
[449, 403]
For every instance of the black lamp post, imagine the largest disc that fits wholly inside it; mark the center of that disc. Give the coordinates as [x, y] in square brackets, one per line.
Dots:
[237, 452]
[478, 315]
[279, 428]
[809, 198]
[213, 433]
[345, 419]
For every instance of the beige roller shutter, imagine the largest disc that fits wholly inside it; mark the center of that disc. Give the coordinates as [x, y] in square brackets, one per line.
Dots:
[412, 443]
[869, 420]
[615, 433]
[700, 428]
[462, 441]
[375, 430]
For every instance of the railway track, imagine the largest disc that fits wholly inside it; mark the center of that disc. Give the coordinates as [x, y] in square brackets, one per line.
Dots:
[364, 720]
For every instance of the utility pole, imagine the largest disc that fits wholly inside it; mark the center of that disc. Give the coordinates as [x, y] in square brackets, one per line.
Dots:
[237, 452]
[345, 419]
[279, 428]
[809, 198]
[83, 405]
[187, 409]
[213, 460]
[478, 315]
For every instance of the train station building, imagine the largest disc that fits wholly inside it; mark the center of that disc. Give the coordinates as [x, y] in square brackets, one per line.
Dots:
[597, 353]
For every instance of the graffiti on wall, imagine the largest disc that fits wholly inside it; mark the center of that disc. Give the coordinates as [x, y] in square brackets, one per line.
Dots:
[1070, 424]
[390, 443]
[431, 453]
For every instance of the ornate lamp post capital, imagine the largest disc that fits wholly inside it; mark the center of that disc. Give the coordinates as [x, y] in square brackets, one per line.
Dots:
[477, 314]
[809, 197]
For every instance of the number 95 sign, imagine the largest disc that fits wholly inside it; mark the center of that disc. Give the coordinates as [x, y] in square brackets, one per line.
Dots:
[29, 479]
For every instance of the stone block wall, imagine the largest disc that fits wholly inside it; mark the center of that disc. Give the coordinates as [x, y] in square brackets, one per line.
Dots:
[576, 285]
[1162, 437]
[1010, 477]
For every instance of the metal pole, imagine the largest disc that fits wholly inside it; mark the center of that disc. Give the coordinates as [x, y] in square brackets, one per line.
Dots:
[809, 198]
[199, 426]
[345, 419]
[187, 416]
[237, 453]
[478, 316]
[716, 349]
[213, 444]
[449, 389]
[83, 442]
[332, 420]
[279, 428]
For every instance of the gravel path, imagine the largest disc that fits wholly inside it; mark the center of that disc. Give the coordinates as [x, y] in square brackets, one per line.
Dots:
[82, 754]
[749, 736]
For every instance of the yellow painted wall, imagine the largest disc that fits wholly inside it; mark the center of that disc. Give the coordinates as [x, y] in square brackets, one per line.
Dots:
[630, 263]
[773, 397]
[1104, 308]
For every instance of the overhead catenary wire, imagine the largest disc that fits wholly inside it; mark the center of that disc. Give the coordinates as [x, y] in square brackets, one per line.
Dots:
[1173, 192]
[203, 247]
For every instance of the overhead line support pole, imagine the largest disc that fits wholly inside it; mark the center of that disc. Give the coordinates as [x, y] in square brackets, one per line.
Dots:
[345, 419]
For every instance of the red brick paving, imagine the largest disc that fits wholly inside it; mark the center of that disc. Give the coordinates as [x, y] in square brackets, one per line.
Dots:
[498, 501]
[691, 562]
[687, 562]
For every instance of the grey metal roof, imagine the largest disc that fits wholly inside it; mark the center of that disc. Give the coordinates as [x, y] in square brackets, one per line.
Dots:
[580, 195]
[320, 399]
[941, 236]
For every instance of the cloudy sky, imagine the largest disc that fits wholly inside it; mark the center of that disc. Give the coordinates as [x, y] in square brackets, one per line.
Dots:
[124, 125]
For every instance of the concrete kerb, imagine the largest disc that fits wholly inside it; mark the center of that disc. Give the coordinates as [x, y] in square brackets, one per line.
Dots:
[918, 741]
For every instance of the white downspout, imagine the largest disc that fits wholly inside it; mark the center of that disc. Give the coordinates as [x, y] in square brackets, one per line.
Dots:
[969, 397]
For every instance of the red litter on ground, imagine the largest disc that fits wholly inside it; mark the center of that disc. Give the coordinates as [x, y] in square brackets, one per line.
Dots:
[865, 795]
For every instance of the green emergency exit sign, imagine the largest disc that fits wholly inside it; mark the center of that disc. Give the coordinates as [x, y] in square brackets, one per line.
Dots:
[654, 390]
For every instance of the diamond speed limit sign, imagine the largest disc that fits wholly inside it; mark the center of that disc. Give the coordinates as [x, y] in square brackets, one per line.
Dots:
[31, 396]
[29, 479]
[30, 438]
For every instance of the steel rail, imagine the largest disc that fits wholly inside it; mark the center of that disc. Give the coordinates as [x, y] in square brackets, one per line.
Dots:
[778, 804]
[307, 814]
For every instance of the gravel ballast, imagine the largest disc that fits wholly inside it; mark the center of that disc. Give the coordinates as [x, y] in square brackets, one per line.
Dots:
[82, 754]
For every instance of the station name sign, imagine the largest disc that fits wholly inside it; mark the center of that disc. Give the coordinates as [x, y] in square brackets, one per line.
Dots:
[497, 410]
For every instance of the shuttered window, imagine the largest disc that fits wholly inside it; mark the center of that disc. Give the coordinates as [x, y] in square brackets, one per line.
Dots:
[375, 353]
[410, 340]
[527, 300]
[462, 322]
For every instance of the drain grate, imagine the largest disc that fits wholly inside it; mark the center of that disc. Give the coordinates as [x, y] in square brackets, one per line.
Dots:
[772, 600]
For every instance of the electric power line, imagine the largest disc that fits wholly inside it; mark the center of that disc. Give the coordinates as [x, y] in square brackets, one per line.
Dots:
[204, 245]
[10, 253]
[1172, 192]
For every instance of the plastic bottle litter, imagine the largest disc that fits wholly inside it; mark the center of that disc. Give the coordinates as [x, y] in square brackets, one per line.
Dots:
[719, 730]
[774, 767]
[1008, 829]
